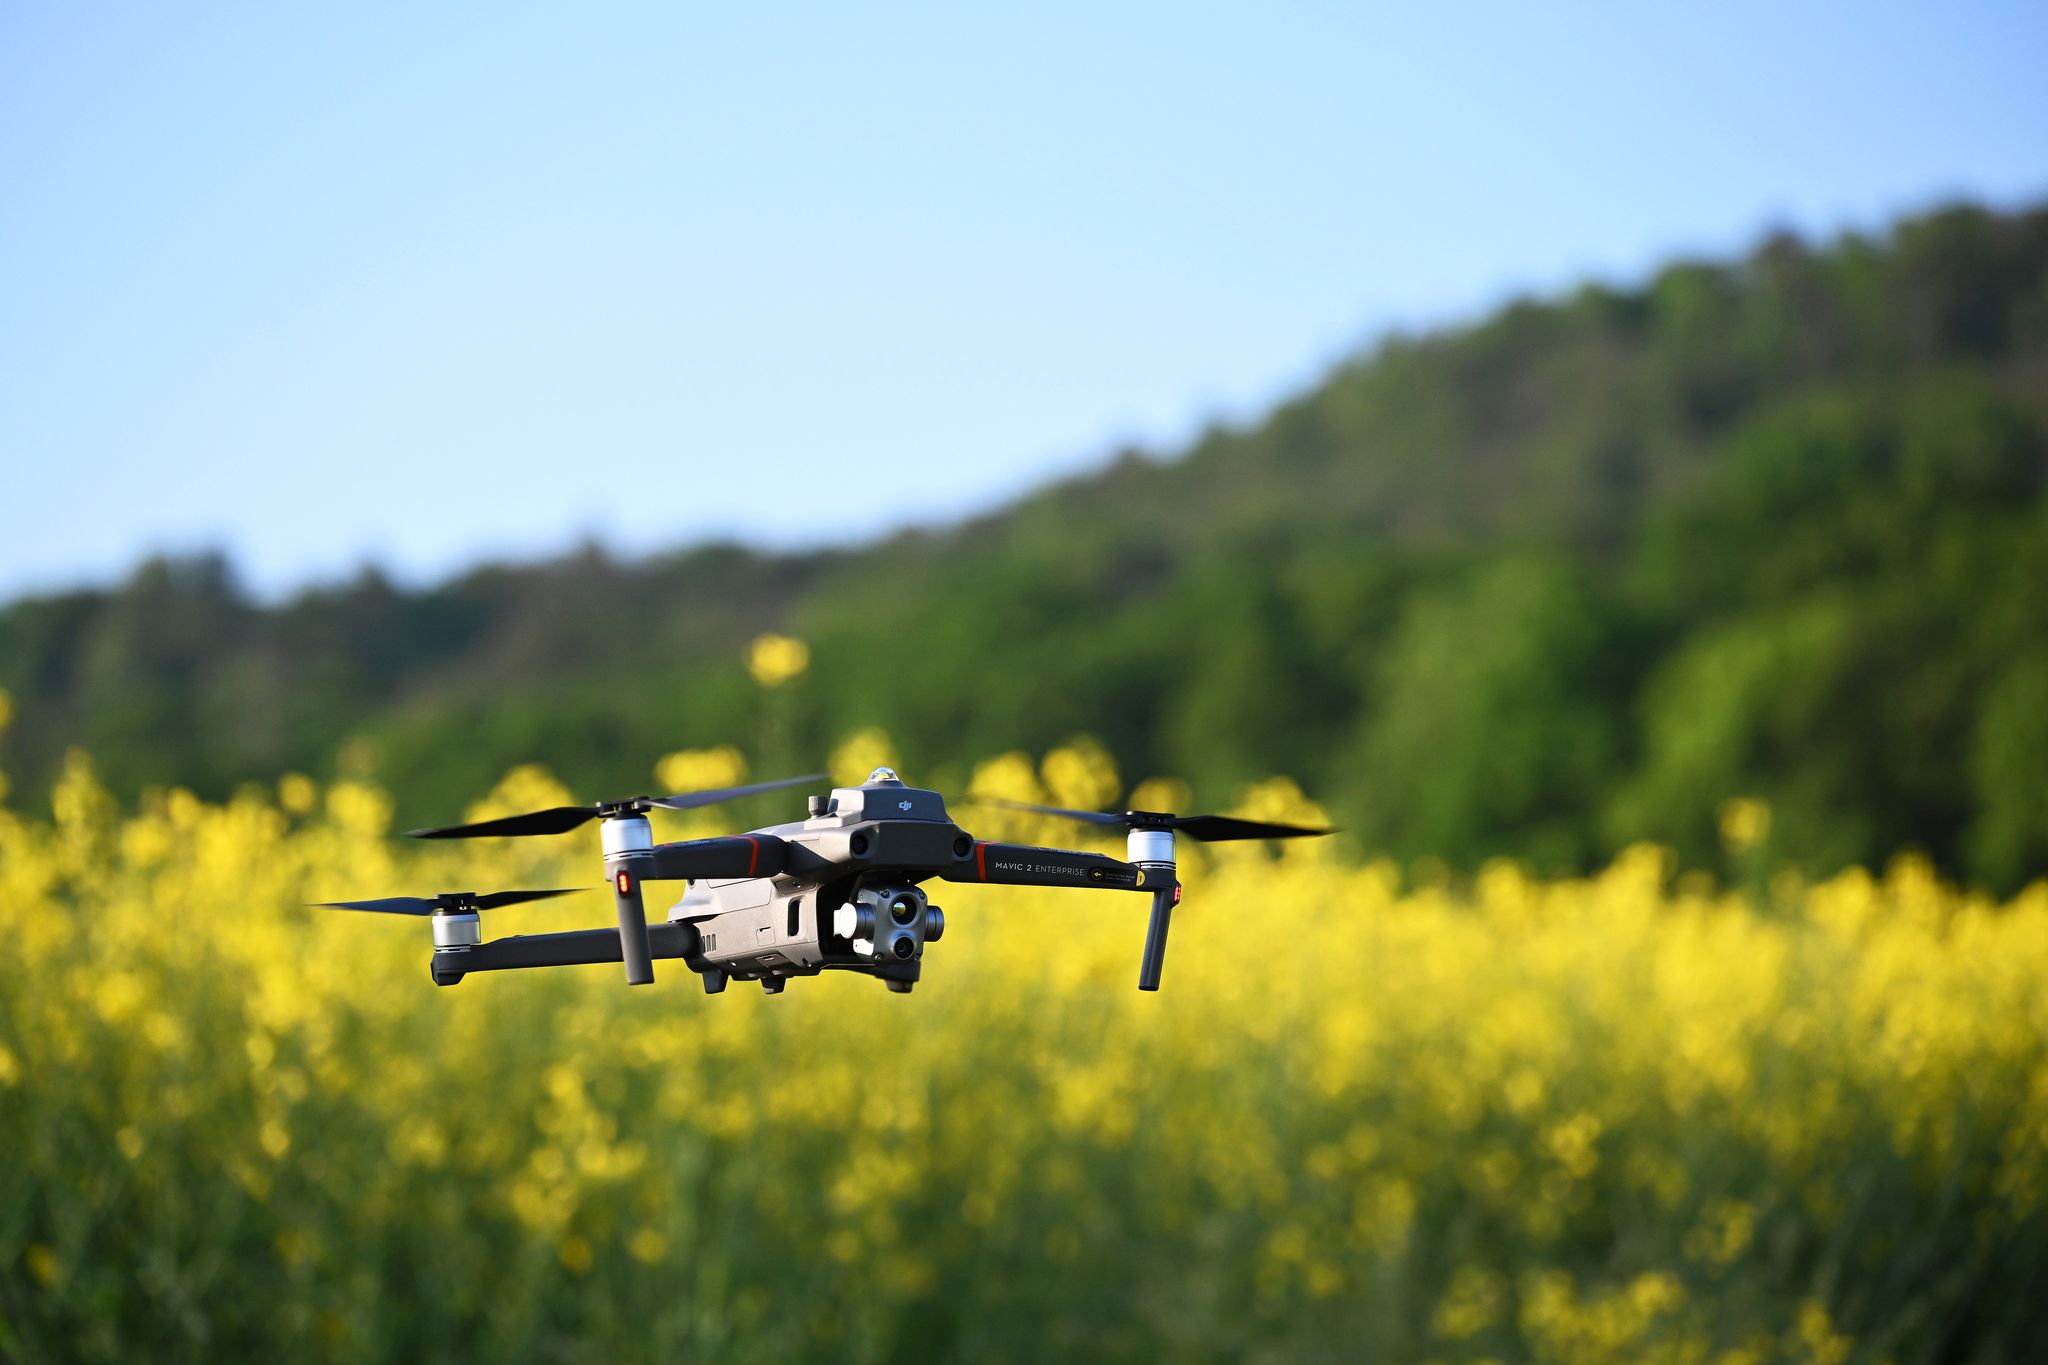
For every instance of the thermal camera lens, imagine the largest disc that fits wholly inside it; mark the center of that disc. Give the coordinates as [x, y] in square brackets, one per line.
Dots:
[903, 909]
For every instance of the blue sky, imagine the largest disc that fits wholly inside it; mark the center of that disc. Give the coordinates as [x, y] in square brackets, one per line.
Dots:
[417, 285]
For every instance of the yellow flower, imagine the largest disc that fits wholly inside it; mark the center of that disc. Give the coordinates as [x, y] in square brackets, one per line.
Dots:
[576, 1255]
[1745, 823]
[1472, 1305]
[860, 754]
[776, 659]
[1162, 794]
[1080, 774]
[1824, 1345]
[688, 770]
[1007, 777]
[275, 1138]
[1544, 1046]
[297, 794]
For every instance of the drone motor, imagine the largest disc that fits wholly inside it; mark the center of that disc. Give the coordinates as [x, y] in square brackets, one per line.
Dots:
[464, 929]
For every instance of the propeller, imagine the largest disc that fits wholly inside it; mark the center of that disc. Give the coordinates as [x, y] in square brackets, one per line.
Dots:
[562, 819]
[1207, 828]
[448, 902]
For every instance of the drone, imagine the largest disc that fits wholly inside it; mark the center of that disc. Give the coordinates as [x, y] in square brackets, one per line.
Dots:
[841, 890]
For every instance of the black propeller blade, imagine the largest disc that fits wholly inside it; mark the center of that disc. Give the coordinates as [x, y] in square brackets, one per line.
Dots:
[692, 800]
[1217, 828]
[562, 819]
[448, 902]
[554, 820]
[1207, 828]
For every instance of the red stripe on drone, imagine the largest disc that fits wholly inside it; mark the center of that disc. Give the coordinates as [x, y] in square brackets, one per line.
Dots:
[981, 861]
[753, 853]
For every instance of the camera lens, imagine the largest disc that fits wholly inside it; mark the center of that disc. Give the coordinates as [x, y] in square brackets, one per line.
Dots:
[903, 909]
[903, 946]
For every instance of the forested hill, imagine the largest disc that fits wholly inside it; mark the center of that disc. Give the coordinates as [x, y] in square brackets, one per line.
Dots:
[1575, 575]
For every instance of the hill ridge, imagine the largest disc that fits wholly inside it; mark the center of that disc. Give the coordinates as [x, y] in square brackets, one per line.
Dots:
[1438, 586]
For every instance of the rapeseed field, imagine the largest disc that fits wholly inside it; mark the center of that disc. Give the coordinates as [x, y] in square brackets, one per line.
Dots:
[1372, 1116]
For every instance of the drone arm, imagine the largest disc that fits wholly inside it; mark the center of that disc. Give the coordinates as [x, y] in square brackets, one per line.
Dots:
[741, 855]
[1023, 865]
[578, 946]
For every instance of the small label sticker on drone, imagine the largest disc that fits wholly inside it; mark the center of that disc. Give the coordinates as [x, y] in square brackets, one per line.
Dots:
[625, 883]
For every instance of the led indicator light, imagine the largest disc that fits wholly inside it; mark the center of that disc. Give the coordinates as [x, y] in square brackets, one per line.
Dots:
[625, 883]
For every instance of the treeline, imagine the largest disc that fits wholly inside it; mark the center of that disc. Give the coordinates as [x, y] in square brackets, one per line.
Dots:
[1573, 576]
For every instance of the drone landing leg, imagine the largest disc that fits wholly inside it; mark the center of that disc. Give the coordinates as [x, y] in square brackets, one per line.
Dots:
[638, 955]
[1154, 962]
